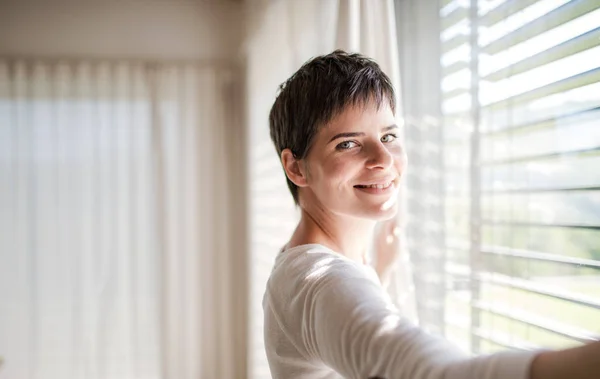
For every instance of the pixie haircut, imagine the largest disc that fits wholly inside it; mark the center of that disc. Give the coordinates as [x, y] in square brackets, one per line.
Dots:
[320, 90]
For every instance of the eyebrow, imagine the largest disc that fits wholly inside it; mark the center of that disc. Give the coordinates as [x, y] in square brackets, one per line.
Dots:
[359, 134]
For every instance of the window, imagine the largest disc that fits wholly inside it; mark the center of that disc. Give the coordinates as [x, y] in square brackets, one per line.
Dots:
[520, 103]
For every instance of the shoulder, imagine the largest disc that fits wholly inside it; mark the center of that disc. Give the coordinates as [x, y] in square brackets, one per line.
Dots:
[314, 263]
[311, 270]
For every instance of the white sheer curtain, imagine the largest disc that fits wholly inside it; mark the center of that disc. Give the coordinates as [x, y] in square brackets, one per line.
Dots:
[282, 35]
[117, 221]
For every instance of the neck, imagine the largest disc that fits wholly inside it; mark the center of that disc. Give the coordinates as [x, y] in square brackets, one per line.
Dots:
[346, 235]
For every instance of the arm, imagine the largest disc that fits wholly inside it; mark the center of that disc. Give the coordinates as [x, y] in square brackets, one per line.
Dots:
[350, 325]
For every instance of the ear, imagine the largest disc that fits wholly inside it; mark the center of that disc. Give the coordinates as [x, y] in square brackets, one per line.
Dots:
[294, 168]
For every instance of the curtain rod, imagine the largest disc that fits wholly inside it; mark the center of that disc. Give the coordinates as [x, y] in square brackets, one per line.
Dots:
[227, 64]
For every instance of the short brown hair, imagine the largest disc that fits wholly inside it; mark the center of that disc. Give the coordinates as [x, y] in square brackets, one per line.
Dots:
[320, 90]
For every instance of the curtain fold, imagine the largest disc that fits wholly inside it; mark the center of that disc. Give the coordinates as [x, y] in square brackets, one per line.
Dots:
[117, 199]
[418, 34]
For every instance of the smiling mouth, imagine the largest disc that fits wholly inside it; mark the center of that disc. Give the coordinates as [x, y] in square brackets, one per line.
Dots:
[375, 186]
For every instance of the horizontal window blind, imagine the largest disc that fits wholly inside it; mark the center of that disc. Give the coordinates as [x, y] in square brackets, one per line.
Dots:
[521, 103]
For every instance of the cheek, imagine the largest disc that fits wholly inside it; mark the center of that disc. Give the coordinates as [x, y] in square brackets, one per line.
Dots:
[340, 171]
[332, 178]
[404, 160]
[400, 158]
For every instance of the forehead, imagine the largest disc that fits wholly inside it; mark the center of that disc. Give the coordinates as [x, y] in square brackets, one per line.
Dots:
[360, 116]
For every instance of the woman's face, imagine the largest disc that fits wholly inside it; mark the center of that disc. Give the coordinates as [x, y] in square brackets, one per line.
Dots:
[355, 163]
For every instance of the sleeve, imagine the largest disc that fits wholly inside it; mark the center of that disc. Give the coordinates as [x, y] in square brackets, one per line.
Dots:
[350, 325]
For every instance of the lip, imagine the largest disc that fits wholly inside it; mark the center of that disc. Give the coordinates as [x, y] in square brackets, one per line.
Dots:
[393, 184]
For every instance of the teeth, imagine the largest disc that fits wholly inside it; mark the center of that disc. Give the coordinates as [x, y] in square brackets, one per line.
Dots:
[378, 186]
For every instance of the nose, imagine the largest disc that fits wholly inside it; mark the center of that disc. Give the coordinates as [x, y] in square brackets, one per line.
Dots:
[379, 157]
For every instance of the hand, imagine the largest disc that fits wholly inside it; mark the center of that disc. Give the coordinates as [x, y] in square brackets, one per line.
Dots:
[388, 247]
[579, 362]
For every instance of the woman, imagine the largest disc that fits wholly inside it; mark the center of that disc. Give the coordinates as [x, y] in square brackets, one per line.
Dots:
[327, 314]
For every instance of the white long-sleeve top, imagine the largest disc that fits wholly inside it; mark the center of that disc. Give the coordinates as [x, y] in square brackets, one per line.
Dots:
[327, 317]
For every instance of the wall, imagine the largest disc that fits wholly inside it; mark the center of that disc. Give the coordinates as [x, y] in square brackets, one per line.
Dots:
[144, 29]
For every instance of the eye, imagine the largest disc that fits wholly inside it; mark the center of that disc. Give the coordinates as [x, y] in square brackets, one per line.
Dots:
[346, 145]
[389, 137]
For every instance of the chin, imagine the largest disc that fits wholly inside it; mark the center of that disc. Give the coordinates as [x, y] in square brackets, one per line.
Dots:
[386, 215]
[379, 210]
[378, 213]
